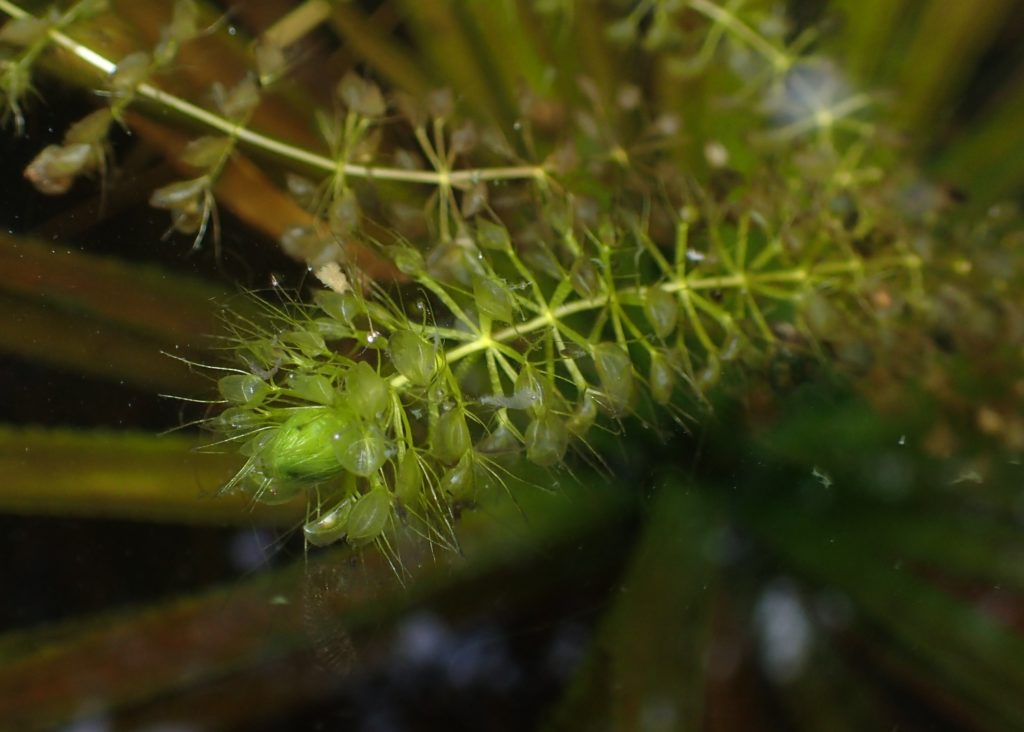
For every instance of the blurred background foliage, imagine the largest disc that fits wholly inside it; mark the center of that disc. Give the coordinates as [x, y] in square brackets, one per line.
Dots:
[819, 550]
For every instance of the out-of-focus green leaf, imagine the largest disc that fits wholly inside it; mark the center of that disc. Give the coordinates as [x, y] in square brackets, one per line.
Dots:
[976, 659]
[646, 669]
[254, 649]
[124, 475]
[102, 317]
[986, 159]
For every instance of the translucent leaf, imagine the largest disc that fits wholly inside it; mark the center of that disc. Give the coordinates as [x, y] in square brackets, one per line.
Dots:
[490, 235]
[23, 31]
[130, 71]
[271, 62]
[662, 379]
[585, 278]
[408, 261]
[181, 194]
[255, 445]
[184, 22]
[301, 242]
[409, 480]
[528, 390]
[244, 389]
[344, 214]
[440, 103]
[541, 261]
[710, 374]
[492, 299]
[206, 151]
[662, 311]
[584, 415]
[361, 96]
[302, 189]
[91, 129]
[309, 344]
[366, 391]
[458, 482]
[234, 420]
[360, 448]
[615, 371]
[547, 439]
[415, 358]
[621, 32]
[369, 517]
[53, 170]
[342, 306]
[271, 492]
[474, 200]
[238, 102]
[451, 438]
[822, 317]
[410, 107]
[331, 526]
[464, 138]
[500, 442]
[312, 388]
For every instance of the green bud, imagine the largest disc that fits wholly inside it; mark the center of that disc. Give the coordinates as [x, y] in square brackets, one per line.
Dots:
[451, 438]
[415, 358]
[547, 439]
[303, 448]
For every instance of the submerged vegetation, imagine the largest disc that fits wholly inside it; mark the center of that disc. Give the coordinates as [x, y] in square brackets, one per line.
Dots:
[539, 232]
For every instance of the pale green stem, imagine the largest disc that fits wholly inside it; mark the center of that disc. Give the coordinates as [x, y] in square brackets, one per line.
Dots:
[278, 147]
[551, 317]
[728, 20]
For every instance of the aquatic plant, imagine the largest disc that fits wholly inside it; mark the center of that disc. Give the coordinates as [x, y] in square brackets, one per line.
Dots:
[531, 227]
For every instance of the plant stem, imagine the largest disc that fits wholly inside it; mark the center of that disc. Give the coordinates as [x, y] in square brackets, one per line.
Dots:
[552, 316]
[272, 145]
